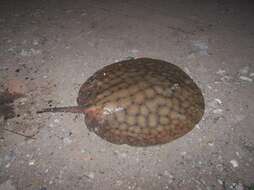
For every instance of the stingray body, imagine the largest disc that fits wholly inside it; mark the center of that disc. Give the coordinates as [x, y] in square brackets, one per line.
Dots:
[139, 102]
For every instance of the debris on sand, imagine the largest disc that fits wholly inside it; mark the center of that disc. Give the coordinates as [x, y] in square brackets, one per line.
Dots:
[234, 163]
[244, 78]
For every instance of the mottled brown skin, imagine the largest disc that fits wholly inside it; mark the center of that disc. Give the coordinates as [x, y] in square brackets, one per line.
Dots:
[139, 102]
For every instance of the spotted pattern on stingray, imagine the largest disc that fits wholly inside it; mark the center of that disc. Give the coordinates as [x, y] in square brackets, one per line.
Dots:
[139, 102]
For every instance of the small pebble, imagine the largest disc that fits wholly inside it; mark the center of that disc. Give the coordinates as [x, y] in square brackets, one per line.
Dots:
[8, 165]
[248, 79]
[234, 163]
[183, 153]
[24, 53]
[82, 151]
[220, 72]
[166, 173]
[83, 14]
[218, 100]
[226, 78]
[22, 101]
[220, 167]
[56, 121]
[91, 175]
[35, 42]
[31, 162]
[217, 111]
[67, 141]
[214, 103]
[197, 126]
[220, 181]
[119, 182]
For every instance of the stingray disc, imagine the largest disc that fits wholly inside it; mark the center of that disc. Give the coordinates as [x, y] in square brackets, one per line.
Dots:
[139, 102]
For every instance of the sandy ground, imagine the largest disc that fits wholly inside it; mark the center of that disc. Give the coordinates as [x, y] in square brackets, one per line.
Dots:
[49, 48]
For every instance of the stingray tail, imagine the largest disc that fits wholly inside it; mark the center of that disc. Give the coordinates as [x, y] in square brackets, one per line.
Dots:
[71, 109]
